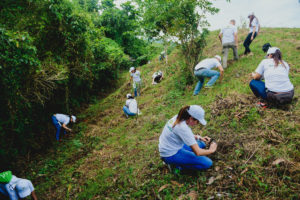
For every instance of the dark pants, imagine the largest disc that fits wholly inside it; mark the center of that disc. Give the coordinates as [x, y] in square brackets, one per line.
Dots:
[247, 42]
[278, 98]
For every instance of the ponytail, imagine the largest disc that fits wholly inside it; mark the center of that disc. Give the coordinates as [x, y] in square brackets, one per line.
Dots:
[277, 57]
[182, 115]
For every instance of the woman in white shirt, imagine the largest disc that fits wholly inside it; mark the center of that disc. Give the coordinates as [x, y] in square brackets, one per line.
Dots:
[179, 147]
[131, 107]
[135, 76]
[61, 121]
[253, 32]
[277, 88]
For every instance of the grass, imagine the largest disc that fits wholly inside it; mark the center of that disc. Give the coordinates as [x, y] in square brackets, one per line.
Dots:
[112, 157]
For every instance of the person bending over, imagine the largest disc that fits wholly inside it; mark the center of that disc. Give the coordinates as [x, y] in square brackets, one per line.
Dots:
[17, 188]
[61, 121]
[277, 88]
[204, 69]
[157, 77]
[179, 147]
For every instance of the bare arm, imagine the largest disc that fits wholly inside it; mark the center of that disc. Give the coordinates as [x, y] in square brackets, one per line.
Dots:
[236, 39]
[33, 195]
[222, 72]
[65, 127]
[220, 37]
[203, 152]
[256, 75]
[253, 32]
[205, 138]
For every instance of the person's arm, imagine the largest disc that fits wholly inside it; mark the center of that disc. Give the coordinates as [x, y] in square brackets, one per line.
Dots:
[33, 195]
[253, 32]
[66, 128]
[236, 39]
[203, 152]
[222, 72]
[256, 75]
[220, 37]
[204, 139]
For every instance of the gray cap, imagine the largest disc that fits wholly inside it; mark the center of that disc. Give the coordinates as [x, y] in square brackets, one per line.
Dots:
[198, 113]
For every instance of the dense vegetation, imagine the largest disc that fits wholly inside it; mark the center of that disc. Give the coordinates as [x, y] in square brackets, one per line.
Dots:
[55, 56]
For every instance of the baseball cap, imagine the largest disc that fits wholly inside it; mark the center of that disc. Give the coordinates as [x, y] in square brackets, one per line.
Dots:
[131, 69]
[24, 188]
[73, 118]
[198, 113]
[272, 50]
[128, 95]
[217, 56]
[252, 13]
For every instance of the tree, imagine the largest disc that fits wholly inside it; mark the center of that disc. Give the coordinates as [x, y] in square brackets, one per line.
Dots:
[182, 19]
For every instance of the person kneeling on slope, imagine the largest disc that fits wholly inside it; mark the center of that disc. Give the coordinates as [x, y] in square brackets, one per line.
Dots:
[179, 147]
[131, 107]
[61, 120]
[157, 77]
[277, 88]
[204, 69]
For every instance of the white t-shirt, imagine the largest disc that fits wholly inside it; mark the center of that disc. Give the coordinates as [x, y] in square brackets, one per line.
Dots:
[132, 105]
[9, 189]
[228, 34]
[159, 73]
[136, 76]
[172, 139]
[276, 78]
[208, 63]
[63, 119]
[254, 23]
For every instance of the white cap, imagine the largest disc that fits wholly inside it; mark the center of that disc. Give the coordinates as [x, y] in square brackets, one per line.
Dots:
[73, 118]
[198, 113]
[131, 69]
[250, 14]
[128, 95]
[218, 57]
[272, 50]
[24, 188]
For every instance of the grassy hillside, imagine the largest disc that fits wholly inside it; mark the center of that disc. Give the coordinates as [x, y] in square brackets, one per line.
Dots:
[112, 157]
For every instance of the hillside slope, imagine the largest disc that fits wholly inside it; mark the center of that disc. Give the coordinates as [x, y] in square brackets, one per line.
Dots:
[112, 157]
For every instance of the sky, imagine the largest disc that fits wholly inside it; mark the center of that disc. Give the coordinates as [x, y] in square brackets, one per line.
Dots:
[270, 13]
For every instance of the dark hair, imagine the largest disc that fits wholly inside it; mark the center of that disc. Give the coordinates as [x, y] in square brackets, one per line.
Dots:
[131, 97]
[266, 47]
[277, 57]
[182, 115]
[251, 19]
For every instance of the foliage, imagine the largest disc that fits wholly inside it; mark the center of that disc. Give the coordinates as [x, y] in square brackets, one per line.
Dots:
[56, 55]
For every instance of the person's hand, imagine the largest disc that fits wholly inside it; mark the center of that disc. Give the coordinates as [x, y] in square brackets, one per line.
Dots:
[205, 139]
[253, 74]
[251, 38]
[213, 147]
[70, 130]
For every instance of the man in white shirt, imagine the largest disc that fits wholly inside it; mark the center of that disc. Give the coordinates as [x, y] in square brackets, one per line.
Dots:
[253, 32]
[135, 76]
[229, 39]
[131, 107]
[61, 121]
[204, 69]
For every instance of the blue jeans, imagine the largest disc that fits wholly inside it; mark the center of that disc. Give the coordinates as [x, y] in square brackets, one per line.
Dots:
[127, 111]
[187, 159]
[258, 88]
[137, 88]
[201, 74]
[57, 126]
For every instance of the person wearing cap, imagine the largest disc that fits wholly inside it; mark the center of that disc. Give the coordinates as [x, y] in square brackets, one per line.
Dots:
[131, 107]
[61, 121]
[229, 39]
[135, 76]
[204, 69]
[277, 88]
[157, 77]
[179, 147]
[18, 188]
[253, 32]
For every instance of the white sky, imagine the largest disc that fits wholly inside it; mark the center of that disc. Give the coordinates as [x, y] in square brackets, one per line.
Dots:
[270, 13]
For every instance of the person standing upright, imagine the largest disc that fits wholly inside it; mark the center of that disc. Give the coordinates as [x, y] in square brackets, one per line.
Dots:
[135, 76]
[253, 32]
[229, 39]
